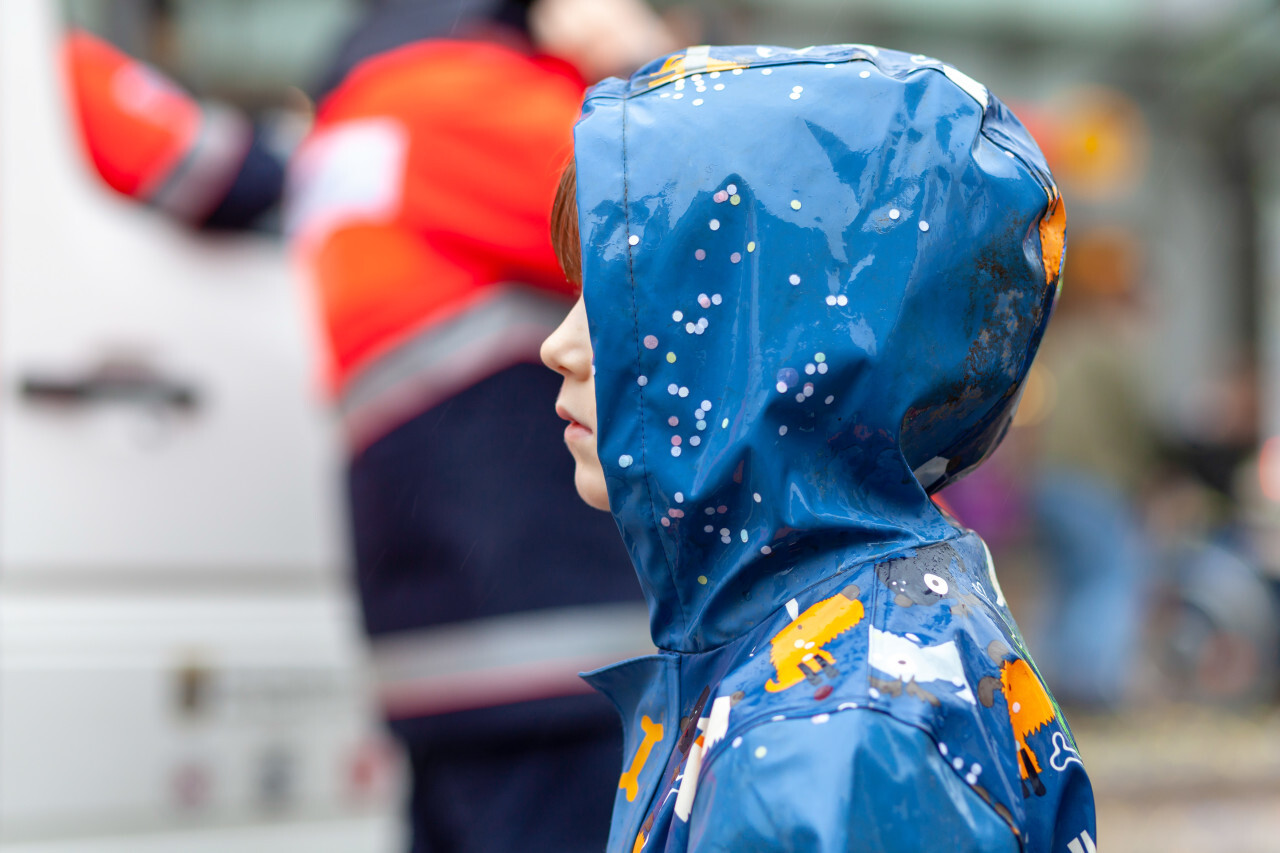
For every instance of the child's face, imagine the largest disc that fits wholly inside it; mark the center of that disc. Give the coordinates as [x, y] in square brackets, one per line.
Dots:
[568, 352]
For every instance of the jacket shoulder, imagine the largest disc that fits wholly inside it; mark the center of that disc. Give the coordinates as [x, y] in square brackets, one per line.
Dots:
[924, 638]
[885, 789]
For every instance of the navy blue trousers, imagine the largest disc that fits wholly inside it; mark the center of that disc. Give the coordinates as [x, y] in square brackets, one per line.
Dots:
[468, 511]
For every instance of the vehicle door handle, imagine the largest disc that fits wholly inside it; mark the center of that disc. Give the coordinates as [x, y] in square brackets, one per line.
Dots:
[111, 381]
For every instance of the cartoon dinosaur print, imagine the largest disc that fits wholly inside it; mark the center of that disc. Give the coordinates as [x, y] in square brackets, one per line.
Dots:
[1030, 710]
[797, 650]
[630, 781]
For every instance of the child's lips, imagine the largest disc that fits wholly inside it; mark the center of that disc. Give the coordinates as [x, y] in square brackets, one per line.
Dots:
[576, 430]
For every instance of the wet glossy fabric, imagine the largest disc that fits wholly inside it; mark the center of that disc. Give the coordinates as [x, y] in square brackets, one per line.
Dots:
[875, 793]
[815, 282]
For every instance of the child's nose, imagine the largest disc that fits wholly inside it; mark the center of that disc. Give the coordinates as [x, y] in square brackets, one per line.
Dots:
[567, 350]
[552, 351]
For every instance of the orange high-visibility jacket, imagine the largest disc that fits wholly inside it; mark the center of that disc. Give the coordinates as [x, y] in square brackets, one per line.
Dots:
[428, 181]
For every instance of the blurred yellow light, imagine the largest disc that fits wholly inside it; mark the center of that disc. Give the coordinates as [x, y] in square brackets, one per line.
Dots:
[1101, 142]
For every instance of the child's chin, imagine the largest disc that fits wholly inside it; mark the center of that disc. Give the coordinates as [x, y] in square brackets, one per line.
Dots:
[591, 487]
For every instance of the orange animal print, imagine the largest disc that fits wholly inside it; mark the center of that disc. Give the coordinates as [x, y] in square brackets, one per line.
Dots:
[693, 60]
[1053, 237]
[630, 781]
[1030, 710]
[798, 651]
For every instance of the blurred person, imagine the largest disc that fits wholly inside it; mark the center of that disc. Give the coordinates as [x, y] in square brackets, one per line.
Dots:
[1098, 452]
[202, 162]
[420, 206]
[813, 284]
[1216, 618]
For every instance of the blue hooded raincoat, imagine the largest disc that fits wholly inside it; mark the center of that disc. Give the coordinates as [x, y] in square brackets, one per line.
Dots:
[815, 281]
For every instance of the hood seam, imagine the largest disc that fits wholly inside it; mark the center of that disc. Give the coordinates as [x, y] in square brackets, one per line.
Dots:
[635, 325]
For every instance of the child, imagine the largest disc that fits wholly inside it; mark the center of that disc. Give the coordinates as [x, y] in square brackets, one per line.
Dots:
[814, 282]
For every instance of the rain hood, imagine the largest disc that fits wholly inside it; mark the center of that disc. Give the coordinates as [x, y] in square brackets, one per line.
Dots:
[815, 281]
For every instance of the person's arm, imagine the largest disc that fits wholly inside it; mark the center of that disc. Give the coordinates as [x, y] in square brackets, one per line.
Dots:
[202, 163]
[860, 781]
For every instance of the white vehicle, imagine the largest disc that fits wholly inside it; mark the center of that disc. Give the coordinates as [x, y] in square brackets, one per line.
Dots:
[180, 666]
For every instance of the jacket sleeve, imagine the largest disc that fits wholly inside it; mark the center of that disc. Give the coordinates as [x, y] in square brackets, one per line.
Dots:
[857, 780]
[150, 140]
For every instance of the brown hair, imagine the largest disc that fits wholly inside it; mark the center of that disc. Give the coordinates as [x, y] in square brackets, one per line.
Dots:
[565, 237]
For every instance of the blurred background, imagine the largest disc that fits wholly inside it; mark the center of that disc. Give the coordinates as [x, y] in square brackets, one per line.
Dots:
[181, 659]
